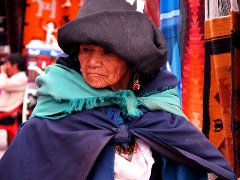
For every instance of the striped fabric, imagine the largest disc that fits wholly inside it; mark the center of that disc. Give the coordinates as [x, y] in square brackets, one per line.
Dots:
[208, 69]
[224, 7]
[192, 59]
[219, 8]
[169, 20]
[221, 103]
[222, 86]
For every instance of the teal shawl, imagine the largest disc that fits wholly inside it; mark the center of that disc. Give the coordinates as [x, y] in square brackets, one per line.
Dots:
[63, 90]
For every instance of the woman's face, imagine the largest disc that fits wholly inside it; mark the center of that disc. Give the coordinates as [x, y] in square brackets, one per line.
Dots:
[100, 69]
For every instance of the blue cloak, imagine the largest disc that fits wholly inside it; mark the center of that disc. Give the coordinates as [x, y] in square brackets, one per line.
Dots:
[82, 145]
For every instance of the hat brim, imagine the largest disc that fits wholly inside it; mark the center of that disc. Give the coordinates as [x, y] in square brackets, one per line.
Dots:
[128, 34]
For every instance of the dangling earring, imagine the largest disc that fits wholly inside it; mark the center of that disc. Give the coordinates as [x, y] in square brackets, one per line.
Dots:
[136, 85]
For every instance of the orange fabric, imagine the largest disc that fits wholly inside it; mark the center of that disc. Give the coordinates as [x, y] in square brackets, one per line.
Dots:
[36, 18]
[193, 62]
[236, 92]
[236, 115]
[223, 86]
[152, 10]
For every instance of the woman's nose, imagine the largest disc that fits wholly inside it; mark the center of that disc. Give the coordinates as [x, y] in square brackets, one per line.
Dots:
[96, 59]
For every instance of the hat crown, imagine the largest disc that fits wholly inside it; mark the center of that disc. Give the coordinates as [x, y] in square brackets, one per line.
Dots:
[98, 6]
[119, 27]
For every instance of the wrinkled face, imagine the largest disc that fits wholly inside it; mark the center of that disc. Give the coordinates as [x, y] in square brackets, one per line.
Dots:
[100, 69]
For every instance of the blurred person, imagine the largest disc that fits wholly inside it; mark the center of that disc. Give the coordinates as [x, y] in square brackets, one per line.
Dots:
[107, 111]
[13, 81]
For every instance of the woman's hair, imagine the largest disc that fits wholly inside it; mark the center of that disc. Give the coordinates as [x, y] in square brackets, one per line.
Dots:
[72, 59]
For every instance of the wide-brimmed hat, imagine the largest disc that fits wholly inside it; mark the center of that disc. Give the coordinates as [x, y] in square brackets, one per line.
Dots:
[116, 26]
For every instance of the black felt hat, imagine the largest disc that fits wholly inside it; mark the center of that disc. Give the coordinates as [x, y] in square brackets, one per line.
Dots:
[116, 26]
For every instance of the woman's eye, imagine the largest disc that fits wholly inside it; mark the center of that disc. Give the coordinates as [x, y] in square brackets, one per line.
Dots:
[85, 50]
[108, 53]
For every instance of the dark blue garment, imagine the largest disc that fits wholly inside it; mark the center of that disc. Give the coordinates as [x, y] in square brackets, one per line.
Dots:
[178, 171]
[81, 145]
[170, 169]
[70, 147]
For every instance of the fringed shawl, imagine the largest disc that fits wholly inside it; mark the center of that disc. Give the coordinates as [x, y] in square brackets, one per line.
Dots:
[63, 90]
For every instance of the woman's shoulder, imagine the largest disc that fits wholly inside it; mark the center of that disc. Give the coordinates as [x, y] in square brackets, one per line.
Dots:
[162, 80]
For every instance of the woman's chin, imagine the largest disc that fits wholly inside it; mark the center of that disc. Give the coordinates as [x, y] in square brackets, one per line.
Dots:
[96, 84]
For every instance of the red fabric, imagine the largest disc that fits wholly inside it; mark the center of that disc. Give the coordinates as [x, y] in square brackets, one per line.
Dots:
[193, 62]
[152, 10]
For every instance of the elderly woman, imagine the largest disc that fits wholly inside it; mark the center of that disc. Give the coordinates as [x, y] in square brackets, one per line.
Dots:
[107, 111]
